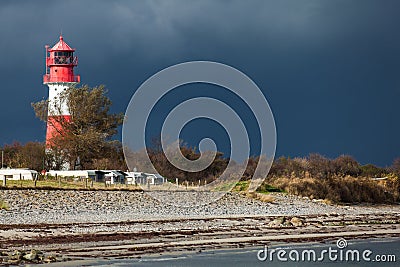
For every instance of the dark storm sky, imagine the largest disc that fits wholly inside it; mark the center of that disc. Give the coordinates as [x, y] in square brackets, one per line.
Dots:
[329, 69]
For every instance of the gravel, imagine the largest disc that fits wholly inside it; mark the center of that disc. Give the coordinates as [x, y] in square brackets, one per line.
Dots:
[59, 206]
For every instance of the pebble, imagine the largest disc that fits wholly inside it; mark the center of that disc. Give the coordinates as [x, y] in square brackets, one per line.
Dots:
[64, 206]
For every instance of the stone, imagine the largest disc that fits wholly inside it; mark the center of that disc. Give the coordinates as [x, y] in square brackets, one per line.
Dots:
[13, 262]
[17, 255]
[33, 255]
[277, 222]
[49, 259]
[295, 221]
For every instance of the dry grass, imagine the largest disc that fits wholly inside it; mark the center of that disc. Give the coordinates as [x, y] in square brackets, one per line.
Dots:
[342, 189]
[260, 196]
[66, 184]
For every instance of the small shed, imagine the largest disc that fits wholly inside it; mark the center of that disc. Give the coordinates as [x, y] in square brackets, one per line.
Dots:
[17, 174]
[145, 178]
[155, 179]
[114, 177]
[136, 178]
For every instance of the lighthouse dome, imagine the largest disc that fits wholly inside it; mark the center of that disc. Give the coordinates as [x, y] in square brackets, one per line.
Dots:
[61, 46]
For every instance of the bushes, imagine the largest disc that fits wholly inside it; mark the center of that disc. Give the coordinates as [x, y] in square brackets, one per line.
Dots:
[338, 180]
[311, 187]
[342, 189]
[318, 166]
[350, 189]
[267, 188]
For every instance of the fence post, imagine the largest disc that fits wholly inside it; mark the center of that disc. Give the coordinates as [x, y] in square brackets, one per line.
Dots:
[4, 181]
[176, 181]
[59, 180]
[20, 179]
[85, 183]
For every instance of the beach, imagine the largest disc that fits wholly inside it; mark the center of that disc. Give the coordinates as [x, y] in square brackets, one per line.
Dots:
[69, 225]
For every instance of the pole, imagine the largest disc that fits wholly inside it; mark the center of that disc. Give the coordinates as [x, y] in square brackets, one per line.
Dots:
[2, 159]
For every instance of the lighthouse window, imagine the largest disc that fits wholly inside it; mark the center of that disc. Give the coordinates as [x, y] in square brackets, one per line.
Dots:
[62, 54]
[63, 57]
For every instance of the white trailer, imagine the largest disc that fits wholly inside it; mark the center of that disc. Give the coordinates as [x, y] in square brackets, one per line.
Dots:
[18, 174]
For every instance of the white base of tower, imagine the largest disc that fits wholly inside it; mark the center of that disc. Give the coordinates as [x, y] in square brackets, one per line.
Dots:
[56, 106]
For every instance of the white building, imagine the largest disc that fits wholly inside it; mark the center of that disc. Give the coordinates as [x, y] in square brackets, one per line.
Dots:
[113, 176]
[77, 173]
[107, 176]
[144, 178]
[18, 174]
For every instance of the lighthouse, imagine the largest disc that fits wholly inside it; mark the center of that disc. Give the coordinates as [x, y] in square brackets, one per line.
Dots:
[59, 76]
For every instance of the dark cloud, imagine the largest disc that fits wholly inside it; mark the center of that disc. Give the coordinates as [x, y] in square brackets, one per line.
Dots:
[328, 68]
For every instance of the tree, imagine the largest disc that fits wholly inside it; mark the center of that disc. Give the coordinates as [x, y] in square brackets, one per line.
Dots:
[396, 166]
[30, 155]
[165, 168]
[370, 170]
[278, 167]
[346, 165]
[319, 166]
[87, 136]
[112, 158]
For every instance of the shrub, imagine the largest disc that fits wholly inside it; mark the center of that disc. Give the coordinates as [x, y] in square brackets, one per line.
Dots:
[342, 189]
[267, 188]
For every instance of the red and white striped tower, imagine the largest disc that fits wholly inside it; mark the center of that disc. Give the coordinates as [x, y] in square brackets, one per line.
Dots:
[60, 63]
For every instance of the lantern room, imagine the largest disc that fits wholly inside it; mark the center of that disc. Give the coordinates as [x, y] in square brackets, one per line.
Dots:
[60, 63]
